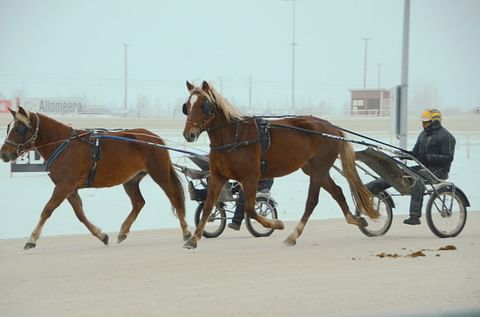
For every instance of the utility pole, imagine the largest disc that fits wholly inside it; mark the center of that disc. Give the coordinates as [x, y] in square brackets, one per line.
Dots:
[125, 106]
[293, 44]
[365, 63]
[250, 92]
[379, 75]
[403, 111]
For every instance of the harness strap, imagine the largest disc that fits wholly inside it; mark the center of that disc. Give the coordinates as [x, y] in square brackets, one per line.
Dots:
[59, 149]
[95, 142]
[121, 138]
[263, 128]
[233, 146]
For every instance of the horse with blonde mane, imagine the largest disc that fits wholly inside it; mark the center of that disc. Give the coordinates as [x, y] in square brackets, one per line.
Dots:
[240, 151]
[78, 159]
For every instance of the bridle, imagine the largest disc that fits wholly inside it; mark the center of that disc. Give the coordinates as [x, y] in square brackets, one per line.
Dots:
[209, 108]
[29, 142]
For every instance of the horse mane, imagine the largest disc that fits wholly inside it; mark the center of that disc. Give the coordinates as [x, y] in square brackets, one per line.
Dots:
[230, 112]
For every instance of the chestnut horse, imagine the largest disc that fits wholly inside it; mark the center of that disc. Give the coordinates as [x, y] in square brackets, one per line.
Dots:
[294, 142]
[70, 160]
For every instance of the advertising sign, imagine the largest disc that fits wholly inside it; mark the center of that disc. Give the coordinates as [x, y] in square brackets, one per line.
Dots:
[55, 105]
[29, 162]
[5, 104]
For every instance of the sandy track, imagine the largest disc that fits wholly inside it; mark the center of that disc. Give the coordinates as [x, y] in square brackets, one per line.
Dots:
[333, 271]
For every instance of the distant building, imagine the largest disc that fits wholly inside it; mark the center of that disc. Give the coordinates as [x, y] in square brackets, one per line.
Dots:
[5, 104]
[370, 102]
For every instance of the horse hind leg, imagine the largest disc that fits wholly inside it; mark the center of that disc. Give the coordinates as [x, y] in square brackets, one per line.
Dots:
[250, 195]
[169, 181]
[311, 203]
[132, 189]
[336, 192]
[76, 203]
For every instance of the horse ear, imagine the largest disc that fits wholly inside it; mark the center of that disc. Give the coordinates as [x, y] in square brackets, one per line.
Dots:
[22, 111]
[12, 112]
[205, 86]
[23, 116]
[190, 87]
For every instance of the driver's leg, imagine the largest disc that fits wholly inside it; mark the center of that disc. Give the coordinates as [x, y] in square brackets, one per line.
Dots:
[239, 212]
[416, 203]
[377, 186]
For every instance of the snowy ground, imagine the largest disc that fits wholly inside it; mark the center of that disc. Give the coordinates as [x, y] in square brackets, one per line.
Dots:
[23, 196]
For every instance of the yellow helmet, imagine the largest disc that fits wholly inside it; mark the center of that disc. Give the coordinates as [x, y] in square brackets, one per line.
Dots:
[431, 115]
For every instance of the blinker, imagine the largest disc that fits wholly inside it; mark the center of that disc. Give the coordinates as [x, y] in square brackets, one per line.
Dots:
[207, 107]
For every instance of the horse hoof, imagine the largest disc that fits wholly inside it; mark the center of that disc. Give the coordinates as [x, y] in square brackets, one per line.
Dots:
[278, 225]
[290, 242]
[187, 236]
[29, 245]
[362, 222]
[121, 238]
[190, 244]
[105, 239]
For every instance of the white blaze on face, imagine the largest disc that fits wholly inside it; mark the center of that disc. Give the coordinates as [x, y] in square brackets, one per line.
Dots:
[193, 100]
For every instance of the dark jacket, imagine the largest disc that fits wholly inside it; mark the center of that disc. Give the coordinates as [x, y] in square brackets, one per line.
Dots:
[435, 148]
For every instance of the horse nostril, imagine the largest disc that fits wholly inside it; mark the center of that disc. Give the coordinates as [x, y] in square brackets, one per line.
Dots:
[4, 157]
[192, 136]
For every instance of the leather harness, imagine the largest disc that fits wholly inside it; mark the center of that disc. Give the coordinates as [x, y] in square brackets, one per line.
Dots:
[90, 138]
[263, 130]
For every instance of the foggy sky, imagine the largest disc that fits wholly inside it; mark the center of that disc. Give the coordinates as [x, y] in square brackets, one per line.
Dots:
[75, 48]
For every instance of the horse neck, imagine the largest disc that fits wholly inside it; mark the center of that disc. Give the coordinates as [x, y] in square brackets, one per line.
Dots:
[51, 133]
[222, 130]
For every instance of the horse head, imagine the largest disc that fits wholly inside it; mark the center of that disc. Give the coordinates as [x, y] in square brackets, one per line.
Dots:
[21, 135]
[200, 109]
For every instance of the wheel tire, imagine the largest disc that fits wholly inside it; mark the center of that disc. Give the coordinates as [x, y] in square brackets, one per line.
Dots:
[216, 224]
[266, 208]
[453, 217]
[381, 225]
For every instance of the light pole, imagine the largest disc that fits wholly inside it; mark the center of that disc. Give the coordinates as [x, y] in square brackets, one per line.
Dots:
[365, 63]
[293, 44]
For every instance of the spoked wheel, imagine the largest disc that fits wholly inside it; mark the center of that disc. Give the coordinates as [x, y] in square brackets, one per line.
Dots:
[379, 226]
[266, 208]
[216, 222]
[446, 213]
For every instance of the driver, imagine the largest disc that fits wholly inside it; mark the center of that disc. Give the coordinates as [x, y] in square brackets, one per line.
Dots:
[434, 148]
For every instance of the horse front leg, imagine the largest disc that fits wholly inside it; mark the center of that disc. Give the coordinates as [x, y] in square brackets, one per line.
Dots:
[215, 185]
[58, 196]
[76, 203]
[250, 192]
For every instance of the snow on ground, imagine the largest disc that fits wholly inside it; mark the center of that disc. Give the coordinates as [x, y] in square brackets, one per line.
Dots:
[23, 196]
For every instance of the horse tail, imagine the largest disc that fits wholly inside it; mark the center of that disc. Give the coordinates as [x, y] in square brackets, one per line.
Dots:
[360, 193]
[178, 193]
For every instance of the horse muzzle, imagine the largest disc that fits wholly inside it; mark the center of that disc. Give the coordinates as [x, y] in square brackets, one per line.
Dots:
[191, 135]
[6, 157]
